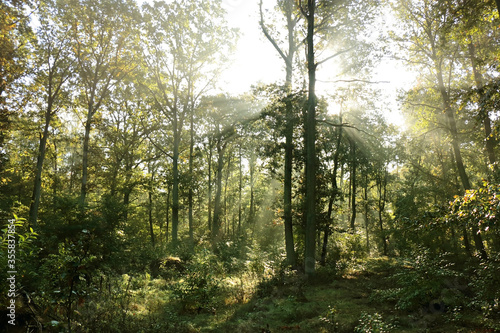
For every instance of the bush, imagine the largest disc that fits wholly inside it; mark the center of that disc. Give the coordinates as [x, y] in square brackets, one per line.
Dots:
[373, 324]
[202, 282]
[420, 280]
[484, 283]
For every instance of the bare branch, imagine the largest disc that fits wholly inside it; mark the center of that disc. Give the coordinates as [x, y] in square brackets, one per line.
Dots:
[353, 80]
[334, 55]
[268, 36]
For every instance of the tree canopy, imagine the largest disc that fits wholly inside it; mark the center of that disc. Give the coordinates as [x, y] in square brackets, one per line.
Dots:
[138, 193]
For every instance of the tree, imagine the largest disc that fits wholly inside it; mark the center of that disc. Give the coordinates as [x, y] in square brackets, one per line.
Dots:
[224, 115]
[182, 49]
[104, 41]
[292, 18]
[15, 35]
[310, 142]
[54, 67]
[431, 46]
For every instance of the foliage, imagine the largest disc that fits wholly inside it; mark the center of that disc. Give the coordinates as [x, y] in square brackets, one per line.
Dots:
[330, 318]
[201, 283]
[420, 280]
[479, 207]
[486, 294]
[18, 251]
[373, 323]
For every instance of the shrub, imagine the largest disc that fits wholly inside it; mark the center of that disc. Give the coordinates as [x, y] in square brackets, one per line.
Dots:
[373, 324]
[420, 280]
[202, 281]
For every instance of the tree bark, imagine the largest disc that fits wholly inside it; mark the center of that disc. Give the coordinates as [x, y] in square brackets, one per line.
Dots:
[240, 188]
[382, 197]
[150, 211]
[335, 193]
[288, 163]
[218, 193]
[484, 115]
[37, 190]
[310, 146]
[175, 183]
[366, 213]
[210, 188]
[353, 185]
[191, 176]
[478, 242]
[85, 159]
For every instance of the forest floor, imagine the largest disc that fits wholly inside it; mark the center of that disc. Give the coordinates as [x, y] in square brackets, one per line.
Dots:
[329, 303]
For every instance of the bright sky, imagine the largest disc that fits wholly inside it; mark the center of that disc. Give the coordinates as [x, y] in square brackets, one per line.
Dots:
[256, 60]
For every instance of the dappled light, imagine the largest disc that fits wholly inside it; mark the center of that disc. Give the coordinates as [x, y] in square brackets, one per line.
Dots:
[249, 166]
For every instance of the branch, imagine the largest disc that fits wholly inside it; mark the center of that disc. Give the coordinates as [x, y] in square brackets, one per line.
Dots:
[344, 125]
[268, 36]
[334, 55]
[353, 80]
[302, 10]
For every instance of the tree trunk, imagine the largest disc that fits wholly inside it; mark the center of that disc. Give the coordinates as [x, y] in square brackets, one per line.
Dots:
[150, 211]
[366, 214]
[240, 188]
[37, 190]
[484, 115]
[150, 205]
[85, 160]
[382, 197]
[175, 185]
[458, 156]
[218, 193]
[228, 173]
[287, 187]
[251, 213]
[167, 219]
[210, 188]
[353, 184]
[334, 194]
[288, 163]
[310, 146]
[191, 176]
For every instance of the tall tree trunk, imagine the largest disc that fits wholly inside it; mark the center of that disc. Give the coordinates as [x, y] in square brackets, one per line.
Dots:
[55, 186]
[287, 187]
[335, 193]
[150, 211]
[210, 188]
[37, 189]
[353, 184]
[175, 185]
[150, 205]
[382, 197]
[450, 115]
[240, 189]
[126, 201]
[484, 115]
[228, 174]
[218, 193]
[191, 176]
[288, 163]
[251, 213]
[85, 159]
[310, 146]
[167, 218]
[366, 213]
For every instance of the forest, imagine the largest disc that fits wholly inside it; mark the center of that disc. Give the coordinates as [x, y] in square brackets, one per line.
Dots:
[138, 193]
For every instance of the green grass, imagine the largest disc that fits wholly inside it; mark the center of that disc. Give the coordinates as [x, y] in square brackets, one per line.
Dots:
[332, 303]
[344, 301]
